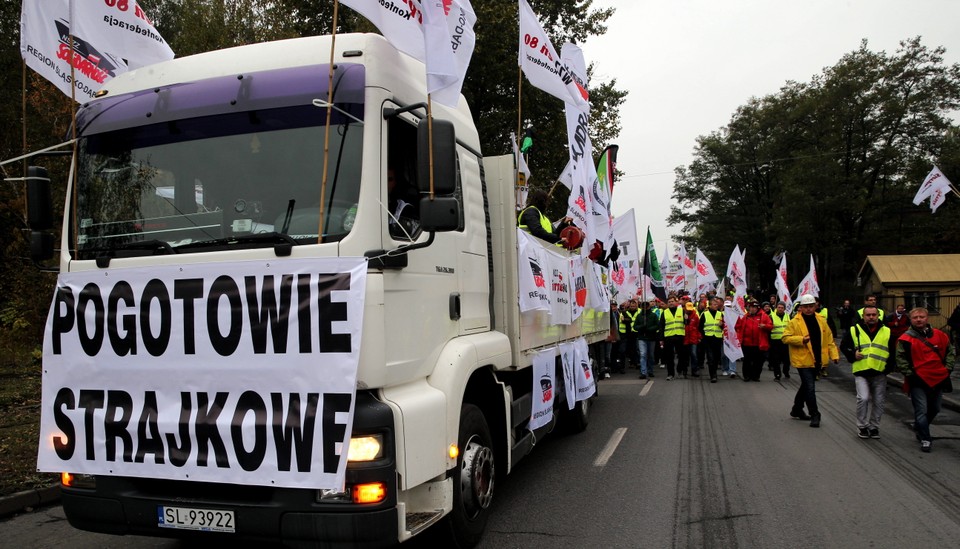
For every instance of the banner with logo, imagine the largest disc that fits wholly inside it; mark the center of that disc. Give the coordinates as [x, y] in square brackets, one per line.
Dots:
[449, 41]
[542, 66]
[398, 21]
[586, 384]
[541, 401]
[626, 279]
[578, 297]
[531, 264]
[598, 296]
[107, 40]
[242, 372]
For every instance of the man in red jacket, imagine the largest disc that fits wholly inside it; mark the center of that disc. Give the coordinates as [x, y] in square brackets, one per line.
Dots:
[753, 331]
[925, 358]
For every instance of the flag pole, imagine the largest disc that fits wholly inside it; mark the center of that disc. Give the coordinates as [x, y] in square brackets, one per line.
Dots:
[519, 104]
[23, 113]
[326, 131]
[73, 132]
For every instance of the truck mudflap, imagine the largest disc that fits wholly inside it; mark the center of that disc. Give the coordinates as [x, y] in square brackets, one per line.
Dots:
[134, 506]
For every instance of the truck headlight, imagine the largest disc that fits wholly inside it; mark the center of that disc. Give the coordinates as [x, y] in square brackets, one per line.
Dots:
[365, 448]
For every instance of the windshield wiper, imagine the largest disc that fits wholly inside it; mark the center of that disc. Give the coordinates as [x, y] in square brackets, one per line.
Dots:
[282, 243]
[154, 246]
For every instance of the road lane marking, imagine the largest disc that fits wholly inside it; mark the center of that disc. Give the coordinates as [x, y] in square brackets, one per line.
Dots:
[646, 388]
[610, 448]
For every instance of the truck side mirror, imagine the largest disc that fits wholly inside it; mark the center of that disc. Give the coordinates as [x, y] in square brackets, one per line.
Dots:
[440, 214]
[39, 203]
[444, 157]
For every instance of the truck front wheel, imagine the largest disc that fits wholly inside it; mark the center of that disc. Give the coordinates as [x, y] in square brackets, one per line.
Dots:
[474, 482]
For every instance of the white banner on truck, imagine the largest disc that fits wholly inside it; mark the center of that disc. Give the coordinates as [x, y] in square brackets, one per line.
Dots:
[544, 385]
[586, 384]
[241, 372]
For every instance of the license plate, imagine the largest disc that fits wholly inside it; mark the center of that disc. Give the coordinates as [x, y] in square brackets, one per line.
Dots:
[205, 520]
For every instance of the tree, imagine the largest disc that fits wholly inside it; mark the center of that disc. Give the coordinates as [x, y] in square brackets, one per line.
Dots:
[829, 167]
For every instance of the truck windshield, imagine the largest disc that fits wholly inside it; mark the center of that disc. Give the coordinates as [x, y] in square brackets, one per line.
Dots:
[224, 181]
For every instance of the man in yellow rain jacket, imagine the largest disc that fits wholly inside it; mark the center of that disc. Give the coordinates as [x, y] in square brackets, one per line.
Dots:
[811, 347]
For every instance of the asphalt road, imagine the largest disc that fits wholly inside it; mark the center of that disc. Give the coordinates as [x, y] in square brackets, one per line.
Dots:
[687, 463]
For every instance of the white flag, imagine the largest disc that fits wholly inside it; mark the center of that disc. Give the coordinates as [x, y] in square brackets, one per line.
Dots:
[542, 393]
[705, 272]
[566, 176]
[626, 277]
[938, 197]
[934, 180]
[107, 41]
[780, 283]
[449, 40]
[737, 271]
[808, 286]
[731, 345]
[398, 21]
[689, 269]
[543, 67]
[813, 276]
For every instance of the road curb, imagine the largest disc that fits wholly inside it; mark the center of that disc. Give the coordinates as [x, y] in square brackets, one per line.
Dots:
[28, 499]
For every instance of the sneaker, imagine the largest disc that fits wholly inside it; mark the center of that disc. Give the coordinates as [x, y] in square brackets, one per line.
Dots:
[776, 378]
[798, 414]
[926, 446]
[862, 432]
[725, 374]
[713, 380]
[874, 433]
[815, 420]
[733, 375]
[669, 378]
[663, 365]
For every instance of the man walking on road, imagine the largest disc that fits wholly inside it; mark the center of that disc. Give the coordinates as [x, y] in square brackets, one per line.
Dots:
[711, 326]
[925, 358]
[811, 347]
[867, 346]
[779, 355]
[673, 330]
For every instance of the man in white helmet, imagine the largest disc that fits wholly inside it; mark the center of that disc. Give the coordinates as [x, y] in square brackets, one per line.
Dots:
[811, 345]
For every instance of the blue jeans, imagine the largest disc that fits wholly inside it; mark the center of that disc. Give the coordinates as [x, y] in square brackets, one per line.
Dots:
[807, 392]
[926, 406]
[646, 356]
[694, 364]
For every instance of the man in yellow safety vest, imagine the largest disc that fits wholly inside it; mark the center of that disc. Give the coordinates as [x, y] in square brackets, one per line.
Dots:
[868, 350]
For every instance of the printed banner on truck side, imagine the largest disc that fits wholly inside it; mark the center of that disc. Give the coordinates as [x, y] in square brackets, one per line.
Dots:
[241, 372]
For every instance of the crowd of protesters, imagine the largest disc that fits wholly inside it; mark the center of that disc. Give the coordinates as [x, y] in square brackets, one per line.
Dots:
[683, 335]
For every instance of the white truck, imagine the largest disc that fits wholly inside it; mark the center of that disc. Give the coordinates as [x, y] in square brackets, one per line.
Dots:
[216, 159]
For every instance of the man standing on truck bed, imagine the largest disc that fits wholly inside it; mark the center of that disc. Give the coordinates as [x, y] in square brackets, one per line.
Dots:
[534, 221]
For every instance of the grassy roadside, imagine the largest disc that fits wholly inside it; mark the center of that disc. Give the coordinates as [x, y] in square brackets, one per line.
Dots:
[19, 419]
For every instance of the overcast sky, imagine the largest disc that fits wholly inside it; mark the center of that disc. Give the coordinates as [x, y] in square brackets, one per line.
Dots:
[688, 64]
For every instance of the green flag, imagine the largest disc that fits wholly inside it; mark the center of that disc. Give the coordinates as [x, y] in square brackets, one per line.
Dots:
[651, 268]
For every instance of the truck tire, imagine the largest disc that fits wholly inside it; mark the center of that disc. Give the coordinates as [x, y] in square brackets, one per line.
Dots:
[474, 482]
[576, 420]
